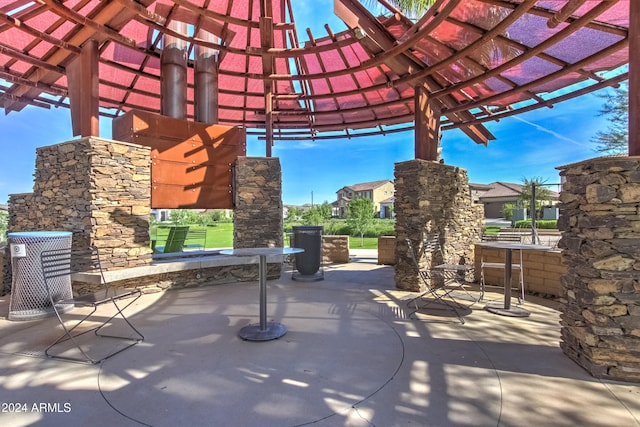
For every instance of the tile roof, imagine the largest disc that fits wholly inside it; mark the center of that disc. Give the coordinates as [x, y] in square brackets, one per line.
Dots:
[367, 185]
[503, 189]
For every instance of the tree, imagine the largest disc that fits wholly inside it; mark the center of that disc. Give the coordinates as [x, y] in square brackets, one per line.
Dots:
[317, 214]
[478, 14]
[614, 140]
[413, 8]
[4, 220]
[360, 214]
[184, 217]
[294, 214]
[542, 193]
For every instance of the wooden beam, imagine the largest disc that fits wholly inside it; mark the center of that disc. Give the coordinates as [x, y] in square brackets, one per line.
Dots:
[564, 13]
[427, 128]
[84, 99]
[634, 78]
[266, 41]
[377, 40]
[95, 28]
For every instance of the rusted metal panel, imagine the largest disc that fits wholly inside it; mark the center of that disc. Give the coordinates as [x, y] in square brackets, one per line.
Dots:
[191, 163]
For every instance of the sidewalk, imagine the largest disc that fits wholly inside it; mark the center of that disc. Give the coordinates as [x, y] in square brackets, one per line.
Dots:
[351, 357]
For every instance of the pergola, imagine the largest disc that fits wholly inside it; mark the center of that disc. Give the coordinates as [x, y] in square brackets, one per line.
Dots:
[201, 74]
[241, 63]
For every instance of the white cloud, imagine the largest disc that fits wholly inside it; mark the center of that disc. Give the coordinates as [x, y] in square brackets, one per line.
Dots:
[550, 132]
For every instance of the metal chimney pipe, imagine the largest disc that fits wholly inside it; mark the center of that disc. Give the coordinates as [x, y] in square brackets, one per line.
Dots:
[206, 81]
[173, 74]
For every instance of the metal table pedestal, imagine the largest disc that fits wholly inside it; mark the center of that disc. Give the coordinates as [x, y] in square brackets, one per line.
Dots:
[263, 331]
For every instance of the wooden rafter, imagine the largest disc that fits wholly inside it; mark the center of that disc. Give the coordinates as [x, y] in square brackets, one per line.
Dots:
[397, 63]
[634, 79]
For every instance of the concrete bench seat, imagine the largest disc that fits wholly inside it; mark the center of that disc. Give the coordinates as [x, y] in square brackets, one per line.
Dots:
[164, 264]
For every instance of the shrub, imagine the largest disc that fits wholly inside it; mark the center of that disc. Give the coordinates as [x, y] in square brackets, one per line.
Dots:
[335, 227]
[546, 224]
[4, 219]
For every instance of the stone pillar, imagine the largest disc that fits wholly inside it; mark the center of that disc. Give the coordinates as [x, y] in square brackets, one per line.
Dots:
[258, 218]
[432, 198]
[96, 188]
[600, 221]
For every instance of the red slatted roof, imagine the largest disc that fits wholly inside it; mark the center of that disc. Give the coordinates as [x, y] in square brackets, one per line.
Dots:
[482, 59]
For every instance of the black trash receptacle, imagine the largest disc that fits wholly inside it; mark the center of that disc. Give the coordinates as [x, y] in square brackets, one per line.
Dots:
[309, 238]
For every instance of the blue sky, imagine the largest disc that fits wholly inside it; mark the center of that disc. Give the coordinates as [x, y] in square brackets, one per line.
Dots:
[527, 146]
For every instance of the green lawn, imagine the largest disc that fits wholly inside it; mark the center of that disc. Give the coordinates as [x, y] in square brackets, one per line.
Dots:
[220, 235]
[367, 243]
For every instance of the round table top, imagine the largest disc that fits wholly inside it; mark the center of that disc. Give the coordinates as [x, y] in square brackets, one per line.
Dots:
[261, 251]
[513, 245]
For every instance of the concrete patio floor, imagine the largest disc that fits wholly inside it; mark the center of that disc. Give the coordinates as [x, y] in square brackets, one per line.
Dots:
[352, 357]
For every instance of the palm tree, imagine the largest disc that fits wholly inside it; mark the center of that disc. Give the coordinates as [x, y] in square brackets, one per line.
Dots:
[413, 8]
[478, 14]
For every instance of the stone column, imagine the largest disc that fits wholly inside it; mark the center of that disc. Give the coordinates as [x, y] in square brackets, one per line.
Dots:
[431, 197]
[258, 218]
[600, 221]
[96, 188]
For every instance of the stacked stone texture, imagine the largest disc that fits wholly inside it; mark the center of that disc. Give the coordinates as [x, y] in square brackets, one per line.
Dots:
[185, 279]
[600, 220]
[387, 250]
[96, 188]
[335, 249]
[430, 198]
[258, 217]
[100, 190]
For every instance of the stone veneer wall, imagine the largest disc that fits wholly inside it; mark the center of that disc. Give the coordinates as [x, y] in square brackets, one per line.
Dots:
[258, 217]
[600, 220]
[542, 272]
[335, 249]
[184, 279]
[387, 250]
[430, 198]
[96, 188]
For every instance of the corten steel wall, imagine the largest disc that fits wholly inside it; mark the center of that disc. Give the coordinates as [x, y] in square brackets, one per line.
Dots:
[600, 220]
[96, 188]
[433, 198]
[191, 162]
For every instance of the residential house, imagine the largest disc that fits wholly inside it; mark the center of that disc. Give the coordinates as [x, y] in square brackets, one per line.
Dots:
[376, 191]
[386, 208]
[497, 194]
